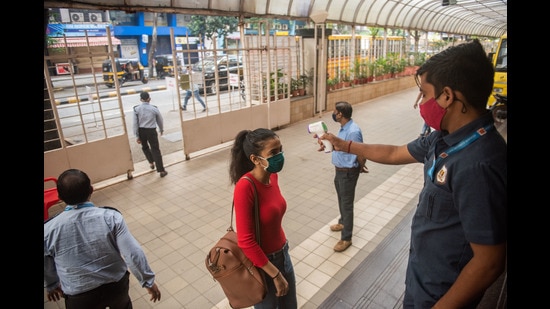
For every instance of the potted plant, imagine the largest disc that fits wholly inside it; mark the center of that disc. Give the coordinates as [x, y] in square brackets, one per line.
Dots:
[307, 80]
[357, 71]
[371, 67]
[269, 85]
[294, 84]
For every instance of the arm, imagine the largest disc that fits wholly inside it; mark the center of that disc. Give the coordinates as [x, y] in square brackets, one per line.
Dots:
[160, 122]
[136, 125]
[417, 100]
[482, 270]
[385, 154]
[243, 197]
[51, 280]
[135, 258]
[278, 279]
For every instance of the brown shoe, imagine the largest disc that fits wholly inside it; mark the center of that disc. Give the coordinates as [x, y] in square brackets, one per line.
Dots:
[163, 173]
[342, 245]
[337, 227]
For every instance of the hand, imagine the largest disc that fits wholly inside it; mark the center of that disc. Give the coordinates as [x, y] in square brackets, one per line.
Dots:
[138, 140]
[321, 145]
[56, 294]
[155, 292]
[364, 169]
[281, 285]
[337, 143]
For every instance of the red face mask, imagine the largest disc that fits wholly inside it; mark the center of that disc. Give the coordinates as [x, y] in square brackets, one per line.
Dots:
[432, 113]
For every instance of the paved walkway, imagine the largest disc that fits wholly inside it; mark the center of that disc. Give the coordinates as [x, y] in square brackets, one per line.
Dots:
[179, 217]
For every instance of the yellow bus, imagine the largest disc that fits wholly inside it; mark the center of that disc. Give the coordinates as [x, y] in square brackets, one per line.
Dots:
[499, 58]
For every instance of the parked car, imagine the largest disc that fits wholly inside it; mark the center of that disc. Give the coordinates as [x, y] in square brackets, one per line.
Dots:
[127, 70]
[206, 69]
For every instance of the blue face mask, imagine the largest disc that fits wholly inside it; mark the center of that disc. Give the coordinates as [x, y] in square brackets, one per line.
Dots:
[274, 163]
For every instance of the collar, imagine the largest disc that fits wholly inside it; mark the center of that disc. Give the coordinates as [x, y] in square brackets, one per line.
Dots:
[79, 206]
[467, 130]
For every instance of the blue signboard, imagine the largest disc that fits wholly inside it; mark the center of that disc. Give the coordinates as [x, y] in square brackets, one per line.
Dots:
[77, 30]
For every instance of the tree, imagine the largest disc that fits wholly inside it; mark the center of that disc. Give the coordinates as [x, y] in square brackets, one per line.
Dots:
[210, 26]
[416, 35]
[153, 47]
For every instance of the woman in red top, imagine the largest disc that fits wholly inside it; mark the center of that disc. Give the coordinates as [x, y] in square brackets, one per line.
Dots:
[259, 155]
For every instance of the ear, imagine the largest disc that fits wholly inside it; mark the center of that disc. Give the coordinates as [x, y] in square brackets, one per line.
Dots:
[449, 96]
[253, 158]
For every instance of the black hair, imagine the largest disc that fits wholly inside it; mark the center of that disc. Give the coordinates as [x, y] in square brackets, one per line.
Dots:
[344, 108]
[465, 68]
[246, 143]
[144, 95]
[74, 187]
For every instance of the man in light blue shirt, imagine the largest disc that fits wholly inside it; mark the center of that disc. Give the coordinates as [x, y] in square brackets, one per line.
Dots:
[88, 251]
[347, 169]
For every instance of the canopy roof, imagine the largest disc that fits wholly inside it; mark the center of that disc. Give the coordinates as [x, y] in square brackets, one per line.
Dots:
[466, 17]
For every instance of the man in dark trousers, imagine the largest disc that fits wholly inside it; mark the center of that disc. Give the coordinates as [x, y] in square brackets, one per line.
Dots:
[89, 252]
[146, 119]
[347, 169]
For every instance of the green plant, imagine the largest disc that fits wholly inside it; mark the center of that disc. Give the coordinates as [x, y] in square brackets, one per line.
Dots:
[295, 83]
[307, 78]
[275, 81]
[345, 75]
[357, 69]
[364, 69]
[371, 67]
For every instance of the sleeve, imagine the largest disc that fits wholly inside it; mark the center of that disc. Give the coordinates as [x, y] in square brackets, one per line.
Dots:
[51, 280]
[136, 126]
[160, 121]
[132, 253]
[243, 198]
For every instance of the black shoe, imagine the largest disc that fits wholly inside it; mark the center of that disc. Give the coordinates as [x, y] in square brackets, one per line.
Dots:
[204, 110]
[184, 108]
[163, 173]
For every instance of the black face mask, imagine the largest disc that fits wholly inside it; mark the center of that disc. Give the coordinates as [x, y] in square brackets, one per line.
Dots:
[334, 117]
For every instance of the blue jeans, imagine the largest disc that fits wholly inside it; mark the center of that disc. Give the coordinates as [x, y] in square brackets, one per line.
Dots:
[281, 260]
[345, 183]
[188, 95]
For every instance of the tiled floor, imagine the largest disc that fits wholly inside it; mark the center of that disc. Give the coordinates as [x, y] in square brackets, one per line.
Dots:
[179, 217]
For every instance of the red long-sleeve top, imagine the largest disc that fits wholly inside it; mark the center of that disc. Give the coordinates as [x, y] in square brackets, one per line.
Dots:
[272, 206]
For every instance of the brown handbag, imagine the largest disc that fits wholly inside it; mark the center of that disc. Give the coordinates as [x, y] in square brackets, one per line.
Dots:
[243, 283]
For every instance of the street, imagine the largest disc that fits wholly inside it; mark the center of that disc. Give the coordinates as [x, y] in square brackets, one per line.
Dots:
[102, 117]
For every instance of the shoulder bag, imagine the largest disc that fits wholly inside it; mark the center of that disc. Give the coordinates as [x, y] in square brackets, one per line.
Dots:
[243, 283]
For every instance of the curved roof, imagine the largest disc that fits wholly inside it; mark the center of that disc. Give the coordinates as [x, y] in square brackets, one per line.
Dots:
[466, 17]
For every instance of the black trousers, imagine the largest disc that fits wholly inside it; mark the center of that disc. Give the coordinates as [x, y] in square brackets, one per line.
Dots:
[150, 146]
[113, 295]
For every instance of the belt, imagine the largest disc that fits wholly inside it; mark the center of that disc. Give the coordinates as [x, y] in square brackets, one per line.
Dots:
[347, 169]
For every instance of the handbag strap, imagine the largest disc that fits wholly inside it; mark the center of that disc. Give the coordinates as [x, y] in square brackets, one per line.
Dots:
[256, 212]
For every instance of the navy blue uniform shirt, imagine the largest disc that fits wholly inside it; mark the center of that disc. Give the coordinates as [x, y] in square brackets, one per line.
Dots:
[466, 202]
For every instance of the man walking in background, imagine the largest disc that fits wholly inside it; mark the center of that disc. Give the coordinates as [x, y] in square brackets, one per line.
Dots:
[146, 119]
[193, 90]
